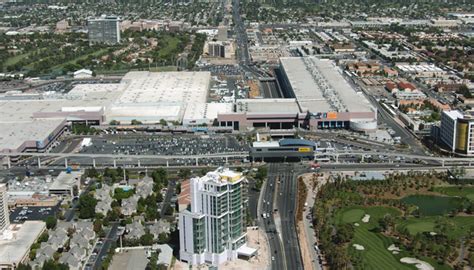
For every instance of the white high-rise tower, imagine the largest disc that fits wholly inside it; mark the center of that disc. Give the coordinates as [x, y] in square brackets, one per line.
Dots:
[212, 229]
[4, 215]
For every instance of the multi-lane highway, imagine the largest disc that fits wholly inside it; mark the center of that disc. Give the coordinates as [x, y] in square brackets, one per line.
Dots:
[277, 213]
[286, 200]
[241, 35]
[267, 219]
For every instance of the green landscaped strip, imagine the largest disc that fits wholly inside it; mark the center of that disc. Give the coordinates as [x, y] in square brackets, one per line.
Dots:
[15, 59]
[460, 191]
[356, 213]
[82, 57]
[427, 224]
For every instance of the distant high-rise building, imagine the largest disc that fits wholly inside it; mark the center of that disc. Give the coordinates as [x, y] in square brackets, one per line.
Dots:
[212, 228]
[105, 29]
[216, 49]
[4, 215]
[62, 26]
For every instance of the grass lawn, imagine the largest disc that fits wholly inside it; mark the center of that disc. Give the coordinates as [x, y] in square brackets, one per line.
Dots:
[15, 59]
[82, 57]
[171, 45]
[375, 254]
[351, 216]
[467, 192]
[72, 61]
[427, 224]
[356, 213]
[420, 226]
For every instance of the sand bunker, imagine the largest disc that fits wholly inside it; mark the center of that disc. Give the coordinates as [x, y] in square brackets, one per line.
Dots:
[392, 247]
[356, 224]
[366, 218]
[418, 263]
[358, 247]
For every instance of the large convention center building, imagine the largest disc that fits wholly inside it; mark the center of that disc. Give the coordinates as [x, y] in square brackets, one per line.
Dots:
[32, 122]
[319, 97]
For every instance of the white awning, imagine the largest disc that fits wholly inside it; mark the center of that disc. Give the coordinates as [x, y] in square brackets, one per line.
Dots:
[246, 251]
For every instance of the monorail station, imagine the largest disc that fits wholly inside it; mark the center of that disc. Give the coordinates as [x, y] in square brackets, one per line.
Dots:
[283, 150]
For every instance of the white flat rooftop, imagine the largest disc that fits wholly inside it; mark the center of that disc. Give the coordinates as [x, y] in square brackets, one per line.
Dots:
[14, 134]
[12, 251]
[266, 144]
[310, 76]
[205, 111]
[246, 251]
[268, 105]
[454, 114]
[154, 87]
[144, 96]
[152, 96]
[65, 180]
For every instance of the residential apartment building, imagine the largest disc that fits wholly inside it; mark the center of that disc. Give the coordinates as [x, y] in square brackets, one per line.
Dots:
[105, 29]
[212, 228]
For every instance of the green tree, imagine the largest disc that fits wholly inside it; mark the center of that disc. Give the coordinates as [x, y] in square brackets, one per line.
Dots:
[114, 123]
[120, 194]
[86, 206]
[464, 90]
[345, 233]
[135, 122]
[97, 225]
[51, 222]
[146, 239]
[22, 266]
[91, 172]
[163, 238]
[178, 188]
[184, 173]
[43, 237]
[151, 212]
[261, 173]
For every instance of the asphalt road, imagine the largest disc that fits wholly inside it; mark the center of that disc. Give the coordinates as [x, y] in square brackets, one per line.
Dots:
[253, 196]
[286, 201]
[270, 89]
[241, 35]
[166, 200]
[268, 191]
[110, 238]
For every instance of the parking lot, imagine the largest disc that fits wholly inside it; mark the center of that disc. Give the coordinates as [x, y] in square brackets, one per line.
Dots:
[21, 214]
[166, 145]
[232, 70]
